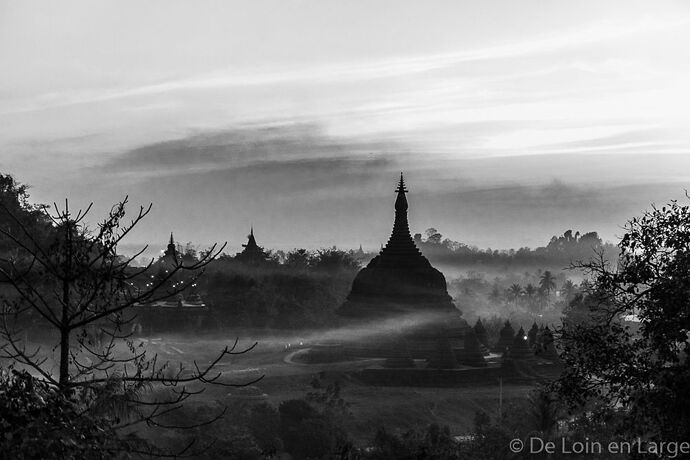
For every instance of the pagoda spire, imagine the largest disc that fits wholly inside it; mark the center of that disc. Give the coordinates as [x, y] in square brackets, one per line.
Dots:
[252, 252]
[251, 241]
[401, 248]
[401, 200]
[172, 250]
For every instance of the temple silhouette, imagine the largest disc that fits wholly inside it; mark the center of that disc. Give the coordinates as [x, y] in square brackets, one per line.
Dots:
[171, 251]
[400, 284]
[400, 279]
[252, 254]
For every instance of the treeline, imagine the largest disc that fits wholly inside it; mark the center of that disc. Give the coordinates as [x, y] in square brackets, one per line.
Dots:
[561, 251]
[300, 289]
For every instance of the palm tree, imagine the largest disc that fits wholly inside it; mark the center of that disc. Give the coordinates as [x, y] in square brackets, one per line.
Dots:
[547, 282]
[530, 290]
[569, 289]
[514, 291]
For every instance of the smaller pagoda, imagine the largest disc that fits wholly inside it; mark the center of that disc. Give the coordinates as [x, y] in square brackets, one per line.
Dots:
[482, 336]
[520, 349]
[532, 335]
[471, 354]
[252, 254]
[171, 251]
[442, 356]
[480, 332]
[545, 345]
[505, 340]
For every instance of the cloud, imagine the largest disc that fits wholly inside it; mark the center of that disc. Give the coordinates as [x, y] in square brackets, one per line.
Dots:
[303, 147]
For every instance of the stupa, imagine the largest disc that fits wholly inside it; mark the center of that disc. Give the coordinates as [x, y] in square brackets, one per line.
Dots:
[480, 332]
[505, 339]
[532, 335]
[171, 251]
[252, 254]
[546, 348]
[442, 356]
[400, 280]
[472, 354]
[520, 349]
[482, 336]
[399, 284]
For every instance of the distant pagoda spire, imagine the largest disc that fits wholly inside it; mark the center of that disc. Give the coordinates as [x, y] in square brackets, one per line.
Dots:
[251, 241]
[252, 252]
[172, 249]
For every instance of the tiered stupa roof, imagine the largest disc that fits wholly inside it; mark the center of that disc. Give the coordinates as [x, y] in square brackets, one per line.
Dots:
[401, 250]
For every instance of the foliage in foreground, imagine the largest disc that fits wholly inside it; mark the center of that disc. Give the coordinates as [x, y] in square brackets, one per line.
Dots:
[625, 345]
[38, 421]
[64, 279]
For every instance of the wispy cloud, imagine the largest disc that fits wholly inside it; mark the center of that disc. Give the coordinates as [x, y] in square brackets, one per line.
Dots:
[300, 146]
[358, 71]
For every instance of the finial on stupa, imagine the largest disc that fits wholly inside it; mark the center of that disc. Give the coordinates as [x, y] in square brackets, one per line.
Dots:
[172, 241]
[401, 185]
[401, 201]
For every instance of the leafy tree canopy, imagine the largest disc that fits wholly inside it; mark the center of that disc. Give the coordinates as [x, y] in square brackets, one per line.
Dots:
[625, 344]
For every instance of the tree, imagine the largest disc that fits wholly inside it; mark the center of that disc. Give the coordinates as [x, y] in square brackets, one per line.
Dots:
[298, 258]
[629, 354]
[547, 282]
[28, 406]
[433, 236]
[14, 200]
[495, 295]
[569, 289]
[514, 291]
[530, 291]
[308, 433]
[74, 283]
[334, 259]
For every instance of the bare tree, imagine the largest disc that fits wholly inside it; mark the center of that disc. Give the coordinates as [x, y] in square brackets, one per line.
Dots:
[73, 281]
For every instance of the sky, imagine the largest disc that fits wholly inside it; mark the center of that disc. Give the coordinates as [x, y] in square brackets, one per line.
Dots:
[513, 121]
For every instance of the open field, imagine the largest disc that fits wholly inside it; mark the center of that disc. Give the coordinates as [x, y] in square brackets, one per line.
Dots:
[370, 407]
